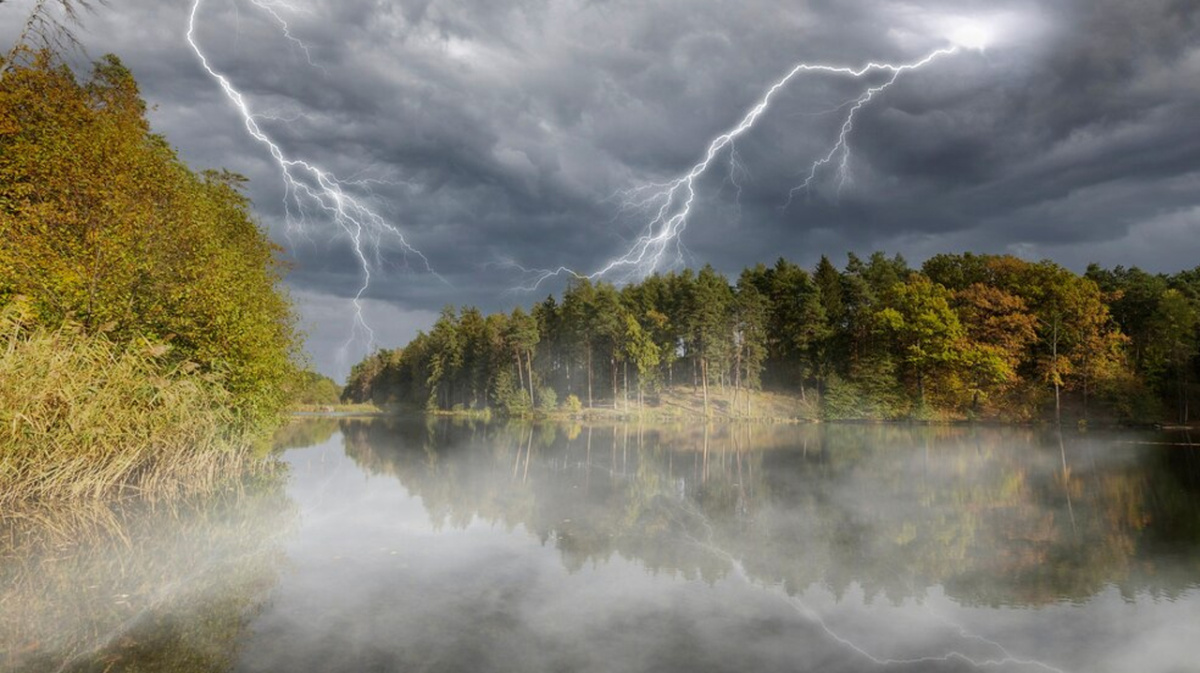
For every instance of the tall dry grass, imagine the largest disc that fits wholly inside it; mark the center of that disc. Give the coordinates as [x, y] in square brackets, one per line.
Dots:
[83, 417]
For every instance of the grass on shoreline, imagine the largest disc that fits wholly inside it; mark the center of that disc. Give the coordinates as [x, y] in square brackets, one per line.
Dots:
[364, 409]
[82, 417]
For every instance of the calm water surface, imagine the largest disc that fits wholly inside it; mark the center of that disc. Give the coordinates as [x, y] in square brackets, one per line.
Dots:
[392, 545]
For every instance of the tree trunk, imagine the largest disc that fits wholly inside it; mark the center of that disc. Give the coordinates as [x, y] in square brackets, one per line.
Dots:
[589, 366]
[1054, 354]
[704, 381]
[612, 363]
[921, 389]
[529, 360]
[737, 380]
[626, 375]
[520, 368]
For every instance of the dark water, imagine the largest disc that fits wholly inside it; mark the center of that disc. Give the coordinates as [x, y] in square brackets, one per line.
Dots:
[440, 546]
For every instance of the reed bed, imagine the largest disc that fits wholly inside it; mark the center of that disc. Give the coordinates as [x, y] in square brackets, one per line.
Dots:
[83, 417]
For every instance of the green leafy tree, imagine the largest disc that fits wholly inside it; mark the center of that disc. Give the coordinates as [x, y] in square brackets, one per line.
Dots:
[445, 360]
[926, 330]
[1170, 356]
[637, 346]
[750, 316]
[522, 337]
[710, 323]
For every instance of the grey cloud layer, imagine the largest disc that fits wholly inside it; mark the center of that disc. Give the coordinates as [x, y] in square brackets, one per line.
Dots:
[503, 128]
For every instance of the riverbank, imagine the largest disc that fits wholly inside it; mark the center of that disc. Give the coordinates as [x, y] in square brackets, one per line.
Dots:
[337, 410]
[683, 403]
[82, 417]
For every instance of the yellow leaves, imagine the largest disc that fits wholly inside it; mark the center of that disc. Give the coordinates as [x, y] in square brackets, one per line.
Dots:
[99, 217]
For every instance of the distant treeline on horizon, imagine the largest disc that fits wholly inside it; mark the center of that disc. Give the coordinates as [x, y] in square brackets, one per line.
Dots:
[965, 336]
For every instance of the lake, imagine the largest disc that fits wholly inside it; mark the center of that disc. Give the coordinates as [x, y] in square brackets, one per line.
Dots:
[441, 545]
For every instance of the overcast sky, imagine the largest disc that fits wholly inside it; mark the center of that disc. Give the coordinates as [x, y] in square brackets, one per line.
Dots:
[496, 133]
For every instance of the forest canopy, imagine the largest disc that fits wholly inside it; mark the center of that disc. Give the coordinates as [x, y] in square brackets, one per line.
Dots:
[102, 224]
[965, 336]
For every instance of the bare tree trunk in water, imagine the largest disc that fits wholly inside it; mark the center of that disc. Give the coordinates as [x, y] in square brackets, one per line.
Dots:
[1062, 450]
[528, 450]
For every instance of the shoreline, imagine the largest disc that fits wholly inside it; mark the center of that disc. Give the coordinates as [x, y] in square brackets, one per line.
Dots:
[616, 416]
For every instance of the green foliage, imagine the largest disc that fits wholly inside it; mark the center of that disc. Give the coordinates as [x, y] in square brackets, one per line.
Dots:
[926, 332]
[101, 223]
[547, 399]
[864, 399]
[312, 388]
[572, 404]
[509, 397]
[366, 382]
[970, 336]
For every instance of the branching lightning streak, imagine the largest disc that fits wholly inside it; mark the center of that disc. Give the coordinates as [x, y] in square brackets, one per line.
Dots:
[307, 185]
[842, 146]
[272, 8]
[670, 203]
[813, 616]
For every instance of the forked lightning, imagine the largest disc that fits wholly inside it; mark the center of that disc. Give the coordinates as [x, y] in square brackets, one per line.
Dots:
[308, 185]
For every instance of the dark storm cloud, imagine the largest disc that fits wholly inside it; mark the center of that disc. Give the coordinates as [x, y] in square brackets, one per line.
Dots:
[499, 131]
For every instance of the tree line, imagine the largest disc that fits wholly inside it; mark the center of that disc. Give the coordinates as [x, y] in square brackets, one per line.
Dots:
[964, 336]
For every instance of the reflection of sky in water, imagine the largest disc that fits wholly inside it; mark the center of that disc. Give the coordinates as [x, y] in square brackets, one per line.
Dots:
[371, 584]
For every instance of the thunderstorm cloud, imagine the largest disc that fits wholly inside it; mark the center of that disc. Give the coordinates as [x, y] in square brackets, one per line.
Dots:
[495, 133]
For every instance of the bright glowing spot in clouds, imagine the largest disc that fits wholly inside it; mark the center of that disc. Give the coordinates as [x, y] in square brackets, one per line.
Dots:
[971, 34]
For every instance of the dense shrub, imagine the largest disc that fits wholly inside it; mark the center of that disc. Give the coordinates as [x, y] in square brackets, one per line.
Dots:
[103, 225]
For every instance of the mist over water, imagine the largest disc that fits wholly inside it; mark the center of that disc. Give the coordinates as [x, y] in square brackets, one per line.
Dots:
[452, 546]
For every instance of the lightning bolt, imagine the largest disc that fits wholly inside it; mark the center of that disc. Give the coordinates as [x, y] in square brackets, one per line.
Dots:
[1005, 659]
[842, 147]
[309, 188]
[670, 203]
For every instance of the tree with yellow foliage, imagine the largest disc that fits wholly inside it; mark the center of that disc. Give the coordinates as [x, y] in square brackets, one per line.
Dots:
[102, 224]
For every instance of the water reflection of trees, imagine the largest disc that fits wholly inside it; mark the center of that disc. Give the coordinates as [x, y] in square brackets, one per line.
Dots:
[298, 433]
[139, 586]
[996, 516]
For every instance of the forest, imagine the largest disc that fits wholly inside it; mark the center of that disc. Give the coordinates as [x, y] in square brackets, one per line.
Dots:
[964, 337]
